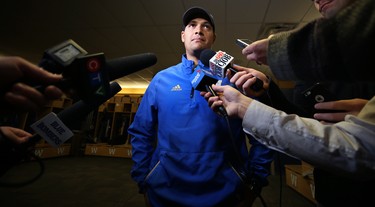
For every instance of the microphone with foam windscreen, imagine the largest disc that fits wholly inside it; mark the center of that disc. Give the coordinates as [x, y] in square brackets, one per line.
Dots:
[60, 59]
[89, 75]
[219, 62]
[52, 128]
[124, 66]
[202, 80]
[55, 130]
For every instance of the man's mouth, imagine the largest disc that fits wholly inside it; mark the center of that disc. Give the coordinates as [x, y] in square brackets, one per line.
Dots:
[323, 6]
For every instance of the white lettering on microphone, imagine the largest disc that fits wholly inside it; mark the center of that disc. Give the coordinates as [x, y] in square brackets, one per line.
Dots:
[49, 133]
[52, 129]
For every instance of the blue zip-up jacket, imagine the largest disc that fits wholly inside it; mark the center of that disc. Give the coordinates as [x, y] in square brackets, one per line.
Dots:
[182, 151]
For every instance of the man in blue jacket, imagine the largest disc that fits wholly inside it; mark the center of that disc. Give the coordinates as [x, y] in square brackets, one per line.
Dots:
[184, 153]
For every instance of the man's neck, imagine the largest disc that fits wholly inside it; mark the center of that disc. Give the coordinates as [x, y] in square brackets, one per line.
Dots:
[192, 58]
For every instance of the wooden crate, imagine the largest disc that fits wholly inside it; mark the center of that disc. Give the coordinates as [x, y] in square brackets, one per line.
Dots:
[48, 151]
[108, 150]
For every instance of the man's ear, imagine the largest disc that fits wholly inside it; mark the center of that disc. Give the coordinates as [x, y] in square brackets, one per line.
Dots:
[182, 36]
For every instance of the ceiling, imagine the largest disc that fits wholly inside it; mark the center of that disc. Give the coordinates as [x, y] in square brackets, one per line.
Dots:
[121, 27]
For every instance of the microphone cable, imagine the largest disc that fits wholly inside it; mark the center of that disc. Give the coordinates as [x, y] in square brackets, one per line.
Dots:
[29, 157]
[242, 173]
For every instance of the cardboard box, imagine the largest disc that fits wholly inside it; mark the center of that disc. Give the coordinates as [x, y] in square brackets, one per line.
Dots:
[108, 150]
[302, 184]
[307, 169]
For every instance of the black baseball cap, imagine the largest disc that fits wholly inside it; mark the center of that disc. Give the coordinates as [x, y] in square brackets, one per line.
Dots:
[197, 12]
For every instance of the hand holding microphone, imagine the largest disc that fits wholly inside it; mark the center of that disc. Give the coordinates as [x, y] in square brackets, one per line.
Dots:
[235, 102]
[248, 79]
[15, 94]
[220, 63]
[202, 80]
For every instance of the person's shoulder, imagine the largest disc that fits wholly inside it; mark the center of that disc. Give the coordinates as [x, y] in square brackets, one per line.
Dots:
[169, 69]
[164, 72]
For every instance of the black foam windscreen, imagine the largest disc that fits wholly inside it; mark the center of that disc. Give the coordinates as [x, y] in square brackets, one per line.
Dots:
[206, 55]
[123, 66]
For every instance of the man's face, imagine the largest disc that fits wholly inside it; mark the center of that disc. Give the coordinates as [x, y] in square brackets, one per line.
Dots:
[329, 8]
[197, 36]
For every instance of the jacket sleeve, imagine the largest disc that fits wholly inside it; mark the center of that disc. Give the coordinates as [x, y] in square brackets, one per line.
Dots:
[261, 156]
[346, 147]
[143, 136]
[327, 49]
[259, 165]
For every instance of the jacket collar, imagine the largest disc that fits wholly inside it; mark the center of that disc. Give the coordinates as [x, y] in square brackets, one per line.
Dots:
[188, 65]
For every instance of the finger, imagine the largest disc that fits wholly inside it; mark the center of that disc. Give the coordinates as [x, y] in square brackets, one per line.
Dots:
[21, 133]
[212, 100]
[37, 74]
[248, 83]
[52, 92]
[31, 94]
[218, 88]
[330, 117]
[242, 80]
[216, 104]
[239, 68]
[20, 102]
[323, 105]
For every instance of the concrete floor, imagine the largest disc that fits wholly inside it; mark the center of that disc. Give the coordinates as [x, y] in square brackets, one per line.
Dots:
[103, 181]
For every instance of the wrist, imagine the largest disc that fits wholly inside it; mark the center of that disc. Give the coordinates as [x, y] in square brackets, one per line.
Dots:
[243, 106]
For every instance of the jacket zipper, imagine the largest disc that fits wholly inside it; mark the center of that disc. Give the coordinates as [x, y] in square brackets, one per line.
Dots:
[192, 88]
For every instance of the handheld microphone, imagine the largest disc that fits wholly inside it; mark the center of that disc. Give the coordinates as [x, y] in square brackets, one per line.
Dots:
[222, 110]
[73, 115]
[219, 62]
[11, 154]
[124, 66]
[59, 58]
[89, 75]
[202, 80]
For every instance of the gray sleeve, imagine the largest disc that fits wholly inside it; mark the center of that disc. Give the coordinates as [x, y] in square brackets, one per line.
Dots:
[346, 147]
[328, 49]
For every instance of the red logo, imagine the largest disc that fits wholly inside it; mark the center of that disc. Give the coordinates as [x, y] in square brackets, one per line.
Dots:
[93, 65]
[219, 55]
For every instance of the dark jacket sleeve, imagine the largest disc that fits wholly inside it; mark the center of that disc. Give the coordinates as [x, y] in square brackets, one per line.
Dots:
[275, 98]
[327, 49]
